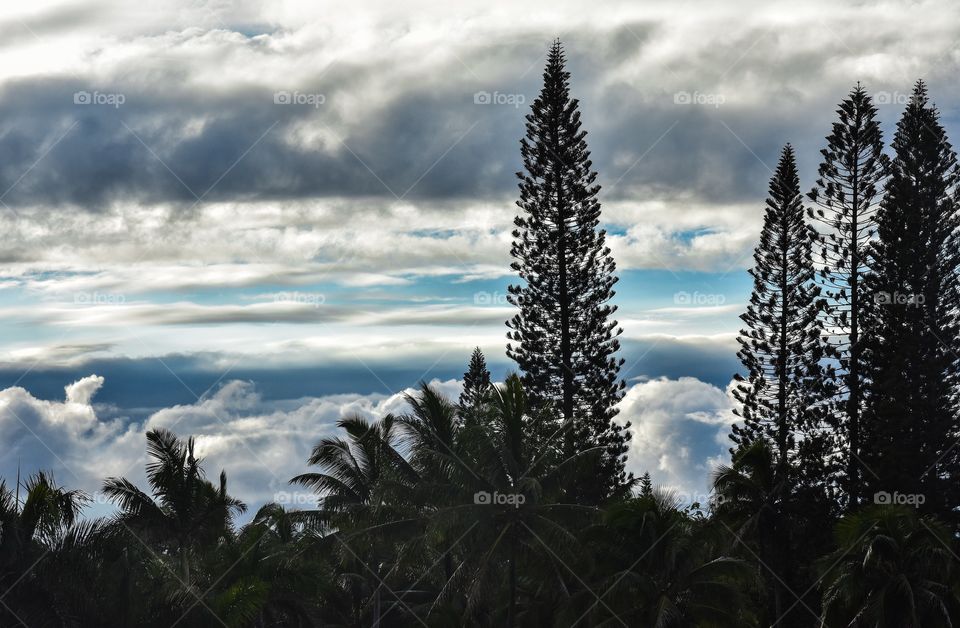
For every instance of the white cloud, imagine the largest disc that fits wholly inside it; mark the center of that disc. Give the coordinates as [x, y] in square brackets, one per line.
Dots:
[83, 390]
[260, 443]
[679, 432]
[679, 429]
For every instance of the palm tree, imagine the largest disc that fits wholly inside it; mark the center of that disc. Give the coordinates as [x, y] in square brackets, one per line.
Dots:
[186, 512]
[29, 527]
[750, 506]
[508, 487]
[266, 575]
[892, 568]
[359, 481]
[657, 565]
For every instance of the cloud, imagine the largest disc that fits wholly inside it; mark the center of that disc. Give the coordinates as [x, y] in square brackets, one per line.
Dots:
[261, 443]
[83, 390]
[679, 432]
[199, 148]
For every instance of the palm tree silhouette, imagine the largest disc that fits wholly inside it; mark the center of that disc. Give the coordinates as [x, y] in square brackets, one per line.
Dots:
[892, 568]
[186, 511]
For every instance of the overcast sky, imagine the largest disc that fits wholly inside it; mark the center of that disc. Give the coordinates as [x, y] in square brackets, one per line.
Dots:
[244, 220]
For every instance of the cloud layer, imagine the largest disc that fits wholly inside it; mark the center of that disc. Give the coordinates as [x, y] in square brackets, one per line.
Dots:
[263, 443]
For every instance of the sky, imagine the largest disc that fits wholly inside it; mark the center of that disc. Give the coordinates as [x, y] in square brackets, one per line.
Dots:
[243, 221]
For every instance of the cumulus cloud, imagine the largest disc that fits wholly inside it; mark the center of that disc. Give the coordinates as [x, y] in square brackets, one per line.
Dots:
[261, 443]
[82, 391]
[679, 432]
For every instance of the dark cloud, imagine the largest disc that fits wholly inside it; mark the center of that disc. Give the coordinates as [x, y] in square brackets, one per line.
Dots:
[171, 141]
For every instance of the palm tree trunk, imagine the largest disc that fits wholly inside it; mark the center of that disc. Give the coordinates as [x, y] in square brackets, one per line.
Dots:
[184, 564]
[512, 612]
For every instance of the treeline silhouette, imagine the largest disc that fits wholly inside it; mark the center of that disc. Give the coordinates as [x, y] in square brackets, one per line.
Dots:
[512, 505]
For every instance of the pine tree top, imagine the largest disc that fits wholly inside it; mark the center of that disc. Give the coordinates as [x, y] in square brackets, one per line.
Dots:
[476, 381]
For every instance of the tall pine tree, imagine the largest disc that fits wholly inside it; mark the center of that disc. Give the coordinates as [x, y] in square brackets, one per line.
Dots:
[910, 426]
[563, 338]
[783, 397]
[847, 193]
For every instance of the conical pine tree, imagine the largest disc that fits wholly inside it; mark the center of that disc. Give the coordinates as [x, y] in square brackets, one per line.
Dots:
[783, 397]
[476, 382]
[847, 193]
[910, 422]
[564, 338]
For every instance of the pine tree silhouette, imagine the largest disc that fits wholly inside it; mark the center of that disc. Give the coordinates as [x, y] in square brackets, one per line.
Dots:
[784, 399]
[646, 485]
[847, 190]
[476, 382]
[910, 424]
[563, 337]
[783, 395]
